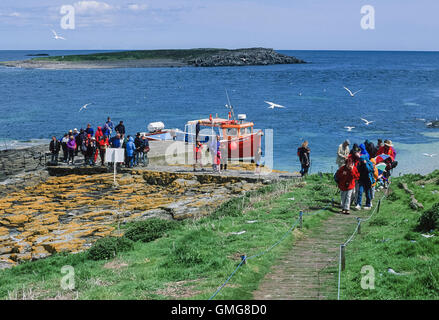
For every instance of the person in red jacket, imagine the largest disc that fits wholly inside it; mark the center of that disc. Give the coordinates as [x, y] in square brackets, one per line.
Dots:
[102, 146]
[346, 177]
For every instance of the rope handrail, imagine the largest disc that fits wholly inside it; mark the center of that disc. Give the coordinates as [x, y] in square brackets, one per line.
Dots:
[244, 258]
[350, 239]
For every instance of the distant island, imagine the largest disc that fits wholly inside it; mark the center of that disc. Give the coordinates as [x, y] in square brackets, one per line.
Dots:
[37, 55]
[159, 58]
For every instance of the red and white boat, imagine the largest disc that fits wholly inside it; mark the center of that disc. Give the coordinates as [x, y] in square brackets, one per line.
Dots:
[238, 138]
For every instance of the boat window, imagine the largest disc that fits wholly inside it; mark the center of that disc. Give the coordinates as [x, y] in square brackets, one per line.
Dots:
[231, 132]
[245, 131]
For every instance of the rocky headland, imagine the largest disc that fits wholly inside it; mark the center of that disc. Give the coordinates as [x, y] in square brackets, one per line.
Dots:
[159, 58]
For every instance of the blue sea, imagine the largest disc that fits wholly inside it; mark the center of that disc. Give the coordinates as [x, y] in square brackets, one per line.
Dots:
[399, 90]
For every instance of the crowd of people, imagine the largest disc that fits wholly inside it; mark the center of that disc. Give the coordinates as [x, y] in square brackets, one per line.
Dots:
[362, 169]
[93, 144]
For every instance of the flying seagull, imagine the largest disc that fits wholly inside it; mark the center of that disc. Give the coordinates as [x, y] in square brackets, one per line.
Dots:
[349, 128]
[367, 122]
[429, 155]
[350, 92]
[56, 36]
[273, 105]
[84, 106]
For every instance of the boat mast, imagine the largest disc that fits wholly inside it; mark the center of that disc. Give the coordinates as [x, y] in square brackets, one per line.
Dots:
[230, 106]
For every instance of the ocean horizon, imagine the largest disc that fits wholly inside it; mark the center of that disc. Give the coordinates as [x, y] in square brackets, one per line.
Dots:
[400, 92]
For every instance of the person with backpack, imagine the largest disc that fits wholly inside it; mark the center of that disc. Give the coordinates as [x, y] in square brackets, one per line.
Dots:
[54, 148]
[366, 169]
[304, 158]
[346, 177]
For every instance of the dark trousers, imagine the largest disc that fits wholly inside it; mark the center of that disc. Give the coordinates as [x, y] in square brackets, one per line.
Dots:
[304, 170]
[54, 157]
[65, 152]
[71, 155]
[102, 155]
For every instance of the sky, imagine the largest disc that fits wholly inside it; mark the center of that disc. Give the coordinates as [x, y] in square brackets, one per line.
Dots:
[172, 24]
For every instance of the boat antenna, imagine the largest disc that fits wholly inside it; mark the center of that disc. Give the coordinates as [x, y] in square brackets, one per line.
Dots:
[230, 105]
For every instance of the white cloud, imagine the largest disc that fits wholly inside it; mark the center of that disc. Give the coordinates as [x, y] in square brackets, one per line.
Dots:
[137, 7]
[92, 7]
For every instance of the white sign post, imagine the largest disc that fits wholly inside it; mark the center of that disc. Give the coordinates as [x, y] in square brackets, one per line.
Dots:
[115, 155]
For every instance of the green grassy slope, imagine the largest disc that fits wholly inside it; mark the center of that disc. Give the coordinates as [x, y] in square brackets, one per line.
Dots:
[191, 261]
[390, 240]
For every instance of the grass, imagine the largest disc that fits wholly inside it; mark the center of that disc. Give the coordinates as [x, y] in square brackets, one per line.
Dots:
[187, 262]
[390, 240]
[176, 54]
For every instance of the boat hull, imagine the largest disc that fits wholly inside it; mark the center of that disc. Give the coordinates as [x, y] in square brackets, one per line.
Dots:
[242, 148]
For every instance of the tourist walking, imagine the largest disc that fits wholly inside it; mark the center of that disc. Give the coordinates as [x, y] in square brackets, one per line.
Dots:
[130, 150]
[89, 130]
[213, 150]
[115, 141]
[138, 143]
[258, 160]
[371, 149]
[304, 157]
[389, 150]
[197, 154]
[98, 136]
[120, 128]
[365, 182]
[102, 145]
[145, 149]
[346, 177]
[54, 148]
[65, 150]
[91, 151]
[109, 124]
[224, 155]
[218, 161]
[343, 153]
[71, 147]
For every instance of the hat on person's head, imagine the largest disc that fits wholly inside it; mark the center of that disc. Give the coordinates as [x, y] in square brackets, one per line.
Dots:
[70, 131]
[347, 142]
[137, 134]
[388, 143]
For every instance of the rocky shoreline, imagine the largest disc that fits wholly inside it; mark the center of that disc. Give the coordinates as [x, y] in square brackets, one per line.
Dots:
[67, 208]
[221, 58]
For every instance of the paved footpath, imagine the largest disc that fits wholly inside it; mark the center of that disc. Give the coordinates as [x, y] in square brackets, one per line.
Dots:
[308, 271]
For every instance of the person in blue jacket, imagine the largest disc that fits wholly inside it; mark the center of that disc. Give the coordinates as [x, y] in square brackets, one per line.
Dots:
[130, 149]
[115, 141]
[364, 151]
[367, 179]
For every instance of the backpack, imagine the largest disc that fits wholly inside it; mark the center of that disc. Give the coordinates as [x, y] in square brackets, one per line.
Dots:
[336, 177]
